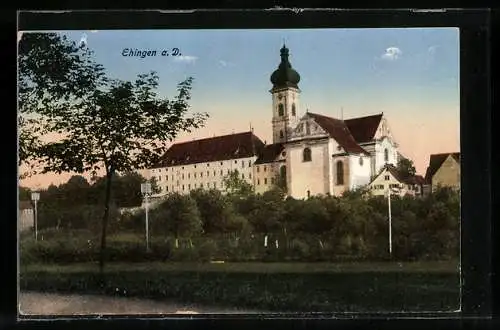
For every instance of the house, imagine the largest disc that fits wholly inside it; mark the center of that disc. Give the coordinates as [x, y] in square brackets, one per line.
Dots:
[443, 170]
[390, 178]
[310, 154]
[26, 216]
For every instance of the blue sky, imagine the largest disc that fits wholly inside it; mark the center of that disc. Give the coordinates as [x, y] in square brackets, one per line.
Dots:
[412, 75]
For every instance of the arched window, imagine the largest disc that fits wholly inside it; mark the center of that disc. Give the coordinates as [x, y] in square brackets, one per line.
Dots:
[386, 155]
[340, 173]
[361, 161]
[283, 177]
[281, 134]
[281, 110]
[306, 155]
[293, 109]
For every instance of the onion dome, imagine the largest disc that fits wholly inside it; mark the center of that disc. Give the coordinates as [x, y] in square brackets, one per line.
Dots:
[285, 75]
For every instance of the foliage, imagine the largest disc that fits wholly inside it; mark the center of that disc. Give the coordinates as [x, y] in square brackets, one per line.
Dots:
[406, 167]
[236, 186]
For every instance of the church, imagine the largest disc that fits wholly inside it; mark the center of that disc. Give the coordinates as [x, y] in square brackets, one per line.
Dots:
[310, 154]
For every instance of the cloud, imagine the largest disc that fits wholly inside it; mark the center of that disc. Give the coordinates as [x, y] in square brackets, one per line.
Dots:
[185, 58]
[225, 63]
[432, 50]
[392, 53]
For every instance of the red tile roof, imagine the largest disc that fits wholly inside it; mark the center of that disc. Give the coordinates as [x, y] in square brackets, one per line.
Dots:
[269, 153]
[239, 145]
[435, 162]
[363, 129]
[339, 131]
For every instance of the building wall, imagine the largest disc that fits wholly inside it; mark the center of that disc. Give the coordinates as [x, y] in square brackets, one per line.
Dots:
[309, 176]
[360, 171]
[288, 121]
[26, 219]
[380, 146]
[448, 174]
[265, 176]
[382, 182]
[339, 189]
[184, 178]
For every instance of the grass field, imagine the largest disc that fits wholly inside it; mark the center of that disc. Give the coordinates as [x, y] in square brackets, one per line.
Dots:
[278, 287]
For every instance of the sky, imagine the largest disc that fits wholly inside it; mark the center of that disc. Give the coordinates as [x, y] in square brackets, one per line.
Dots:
[411, 75]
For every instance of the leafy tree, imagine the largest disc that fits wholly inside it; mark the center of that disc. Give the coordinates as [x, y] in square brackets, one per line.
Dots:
[216, 211]
[236, 186]
[267, 216]
[24, 193]
[178, 215]
[405, 167]
[111, 125]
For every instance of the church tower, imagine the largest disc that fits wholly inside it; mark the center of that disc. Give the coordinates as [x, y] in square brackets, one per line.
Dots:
[285, 94]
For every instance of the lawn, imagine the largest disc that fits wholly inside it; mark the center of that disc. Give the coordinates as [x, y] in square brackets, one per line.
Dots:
[278, 287]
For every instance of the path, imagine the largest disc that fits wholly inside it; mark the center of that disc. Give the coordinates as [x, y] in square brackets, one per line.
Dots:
[34, 303]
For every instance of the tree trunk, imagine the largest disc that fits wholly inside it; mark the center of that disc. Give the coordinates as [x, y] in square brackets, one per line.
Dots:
[105, 218]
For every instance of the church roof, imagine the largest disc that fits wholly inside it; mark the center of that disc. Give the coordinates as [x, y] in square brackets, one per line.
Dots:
[232, 146]
[269, 153]
[363, 129]
[339, 131]
[435, 162]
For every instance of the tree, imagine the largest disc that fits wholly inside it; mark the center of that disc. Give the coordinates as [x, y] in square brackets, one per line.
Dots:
[217, 213]
[178, 215]
[236, 186]
[406, 168]
[111, 125]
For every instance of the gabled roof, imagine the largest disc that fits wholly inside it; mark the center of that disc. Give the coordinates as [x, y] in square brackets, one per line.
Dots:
[239, 145]
[435, 162]
[363, 129]
[415, 179]
[339, 131]
[269, 153]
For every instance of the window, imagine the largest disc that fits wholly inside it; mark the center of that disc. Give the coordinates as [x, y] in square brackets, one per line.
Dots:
[221, 172]
[361, 161]
[215, 184]
[249, 163]
[201, 174]
[281, 134]
[201, 185]
[386, 155]
[182, 176]
[249, 176]
[265, 180]
[258, 169]
[242, 164]
[283, 154]
[182, 187]
[264, 168]
[166, 169]
[387, 178]
[215, 173]
[208, 173]
[189, 175]
[340, 173]
[194, 166]
[195, 185]
[293, 109]
[306, 155]
[236, 162]
[166, 188]
[308, 193]
[221, 163]
[258, 181]
[272, 180]
[281, 110]
[189, 186]
[195, 175]
[208, 164]
[182, 167]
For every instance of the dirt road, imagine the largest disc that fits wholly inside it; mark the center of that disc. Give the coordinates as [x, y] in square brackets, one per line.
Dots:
[34, 303]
